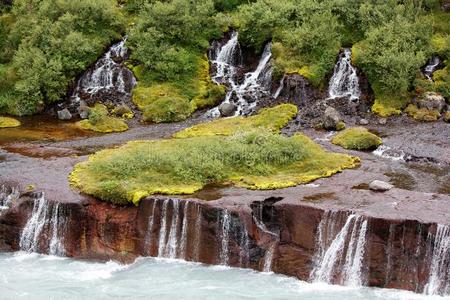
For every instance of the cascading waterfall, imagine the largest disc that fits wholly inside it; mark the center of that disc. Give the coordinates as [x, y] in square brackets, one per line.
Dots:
[43, 217]
[148, 242]
[439, 278]
[109, 76]
[280, 88]
[244, 254]
[225, 222]
[8, 196]
[431, 66]
[268, 257]
[344, 82]
[340, 261]
[256, 84]
[172, 247]
[198, 233]
[163, 230]
[184, 231]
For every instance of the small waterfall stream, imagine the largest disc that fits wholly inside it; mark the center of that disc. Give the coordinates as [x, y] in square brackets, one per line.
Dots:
[439, 277]
[431, 66]
[339, 257]
[225, 223]
[344, 82]
[256, 84]
[109, 79]
[45, 218]
[8, 196]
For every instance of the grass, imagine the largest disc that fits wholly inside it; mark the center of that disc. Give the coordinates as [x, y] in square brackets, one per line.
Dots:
[6, 122]
[357, 138]
[100, 121]
[388, 105]
[254, 160]
[272, 119]
[167, 109]
[422, 114]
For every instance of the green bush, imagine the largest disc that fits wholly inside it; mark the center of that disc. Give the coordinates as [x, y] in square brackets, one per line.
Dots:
[100, 121]
[167, 109]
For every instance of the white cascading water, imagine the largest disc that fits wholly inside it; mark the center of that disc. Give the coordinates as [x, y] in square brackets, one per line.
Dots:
[184, 231]
[344, 255]
[107, 75]
[430, 67]
[148, 241]
[386, 152]
[439, 278]
[225, 223]
[44, 216]
[256, 84]
[163, 230]
[198, 234]
[268, 257]
[244, 243]
[8, 196]
[172, 243]
[344, 82]
[280, 88]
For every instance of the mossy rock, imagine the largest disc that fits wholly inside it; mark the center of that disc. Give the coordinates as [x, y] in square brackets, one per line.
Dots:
[254, 160]
[100, 121]
[122, 111]
[6, 122]
[388, 106]
[167, 109]
[447, 116]
[272, 119]
[422, 114]
[357, 138]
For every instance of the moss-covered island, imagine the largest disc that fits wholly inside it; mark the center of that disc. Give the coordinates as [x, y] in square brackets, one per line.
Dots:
[99, 120]
[357, 138]
[222, 152]
[6, 122]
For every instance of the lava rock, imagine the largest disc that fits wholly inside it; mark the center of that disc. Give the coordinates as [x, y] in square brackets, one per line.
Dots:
[64, 114]
[227, 109]
[363, 122]
[331, 118]
[431, 101]
[380, 186]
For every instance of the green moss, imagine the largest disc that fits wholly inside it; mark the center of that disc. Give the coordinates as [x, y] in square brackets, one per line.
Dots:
[100, 121]
[167, 109]
[272, 119]
[447, 116]
[388, 105]
[357, 138]
[422, 114]
[122, 111]
[340, 126]
[6, 122]
[255, 160]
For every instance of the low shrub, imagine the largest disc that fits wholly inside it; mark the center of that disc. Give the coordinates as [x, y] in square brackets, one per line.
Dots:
[100, 121]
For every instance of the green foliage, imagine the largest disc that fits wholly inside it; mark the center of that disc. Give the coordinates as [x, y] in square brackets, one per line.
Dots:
[167, 109]
[256, 160]
[357, 138]
[422, 114]
[100, 121]
[271, 119]
[53, 41]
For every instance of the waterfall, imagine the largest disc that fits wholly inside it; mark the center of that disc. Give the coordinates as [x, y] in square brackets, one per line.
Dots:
[163, 230]
[256, 84]
[268, 257]
[43, 217]
[109, 78]
[280, 88]
[344, 82]
[225, 222]
[340, 261]
[198, 234]
[184, 231]
[8, 196]
[171, 251]
[431, 66]
[244, 243]
[439, 278]
[148, 242]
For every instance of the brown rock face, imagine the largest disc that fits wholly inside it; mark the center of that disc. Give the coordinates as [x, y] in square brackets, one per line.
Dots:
[289, 238]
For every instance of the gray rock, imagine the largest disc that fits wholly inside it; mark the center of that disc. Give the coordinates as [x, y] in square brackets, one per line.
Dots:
[382, 121]
[227, 109]
[331, 118]
[431, 101]
[83, 110]
[64, 114]
[380, 186]
[363, 122]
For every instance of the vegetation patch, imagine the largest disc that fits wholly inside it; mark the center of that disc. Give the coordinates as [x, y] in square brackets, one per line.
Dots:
[357, 138]
[100, 121]
[388, 105]
[272, 119]
[422, 114]
[254, 160]
[167, 109]
[6, 122]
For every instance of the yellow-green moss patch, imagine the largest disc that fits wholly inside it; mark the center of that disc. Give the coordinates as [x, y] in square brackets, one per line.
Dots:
[255, 160]
[386, 106]
[422, 114]
[6, 122]
[100, 121]
[357, 138]
[272, 119]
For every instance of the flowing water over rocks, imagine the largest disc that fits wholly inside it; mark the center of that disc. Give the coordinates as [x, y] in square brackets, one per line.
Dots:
[7, 196]
[345, 81]
[108, 80]
[244, 93]
[432, 65]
